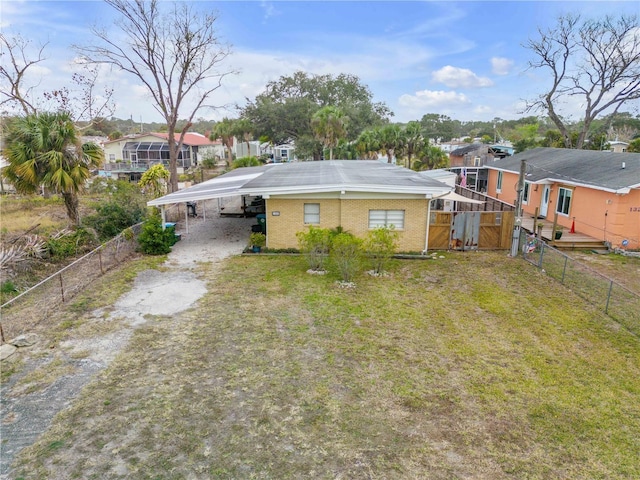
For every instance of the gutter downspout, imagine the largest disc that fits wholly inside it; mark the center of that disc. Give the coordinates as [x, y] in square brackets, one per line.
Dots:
[426, 233]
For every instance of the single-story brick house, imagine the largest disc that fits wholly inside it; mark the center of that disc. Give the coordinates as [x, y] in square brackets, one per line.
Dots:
[356, 195]
[596, 192]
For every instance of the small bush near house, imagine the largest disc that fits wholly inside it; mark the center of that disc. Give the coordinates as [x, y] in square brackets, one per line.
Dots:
[346, 254]
[153, 239]
[314, 243]
[380, 245]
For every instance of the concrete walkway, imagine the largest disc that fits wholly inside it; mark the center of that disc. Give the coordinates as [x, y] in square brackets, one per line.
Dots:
[26, 414]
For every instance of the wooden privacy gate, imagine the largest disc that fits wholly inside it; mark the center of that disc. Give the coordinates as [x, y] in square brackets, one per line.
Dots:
[470, 230]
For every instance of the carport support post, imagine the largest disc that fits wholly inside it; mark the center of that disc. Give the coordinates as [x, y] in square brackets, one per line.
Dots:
[163, 213]
[515, 241]
[186, 217]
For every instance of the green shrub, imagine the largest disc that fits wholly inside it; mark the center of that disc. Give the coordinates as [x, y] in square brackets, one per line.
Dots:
[346, 254]
[246, 162]
[314, 243]
[124, 207]
[379, 245]
[7, 290]
[112, 218]
[68, 244]
[209, 162]
[153, 239]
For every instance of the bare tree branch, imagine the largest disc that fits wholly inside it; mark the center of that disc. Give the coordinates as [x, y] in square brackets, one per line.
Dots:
[176, 55]
[595, 62]
[12, 72]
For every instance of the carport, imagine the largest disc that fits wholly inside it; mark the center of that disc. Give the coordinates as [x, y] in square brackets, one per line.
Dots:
[227, 185]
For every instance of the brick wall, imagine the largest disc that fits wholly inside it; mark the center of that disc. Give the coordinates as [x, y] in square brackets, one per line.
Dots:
[351, 214]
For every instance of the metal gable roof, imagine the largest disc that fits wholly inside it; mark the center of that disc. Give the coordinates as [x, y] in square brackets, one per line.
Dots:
[310, 177]
[597, 169]
[223, 186]
[343, 175]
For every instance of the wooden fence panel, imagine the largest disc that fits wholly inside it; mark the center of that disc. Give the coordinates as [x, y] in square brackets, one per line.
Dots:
[496, 229]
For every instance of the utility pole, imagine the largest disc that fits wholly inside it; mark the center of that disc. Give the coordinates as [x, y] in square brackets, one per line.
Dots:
[515, 241]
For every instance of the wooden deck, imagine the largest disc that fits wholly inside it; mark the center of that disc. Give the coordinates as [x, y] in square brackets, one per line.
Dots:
[568, 241]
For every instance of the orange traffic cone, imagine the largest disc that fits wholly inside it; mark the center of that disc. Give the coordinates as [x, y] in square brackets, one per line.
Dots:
[573, 226]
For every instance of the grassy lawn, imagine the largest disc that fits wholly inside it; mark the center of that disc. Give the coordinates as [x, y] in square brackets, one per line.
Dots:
[471, 366]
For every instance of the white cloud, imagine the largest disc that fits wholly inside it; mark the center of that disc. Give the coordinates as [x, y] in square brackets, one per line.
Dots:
[454, 77]
[433, 98]
[501, 65]
[269, 10]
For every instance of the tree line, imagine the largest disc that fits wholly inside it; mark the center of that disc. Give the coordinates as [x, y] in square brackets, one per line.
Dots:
[174, 51]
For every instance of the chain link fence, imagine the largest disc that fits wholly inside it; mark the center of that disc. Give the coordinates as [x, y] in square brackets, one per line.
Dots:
[614, 299]
[33, 306]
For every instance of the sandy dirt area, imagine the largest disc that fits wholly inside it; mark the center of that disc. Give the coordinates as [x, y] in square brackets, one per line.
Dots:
[26, 414]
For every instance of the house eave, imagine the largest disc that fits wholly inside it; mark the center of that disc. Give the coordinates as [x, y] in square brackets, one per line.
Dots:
[547, 181]
[428, 192]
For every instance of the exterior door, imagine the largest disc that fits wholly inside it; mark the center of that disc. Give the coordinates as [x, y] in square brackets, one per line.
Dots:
[544, 201]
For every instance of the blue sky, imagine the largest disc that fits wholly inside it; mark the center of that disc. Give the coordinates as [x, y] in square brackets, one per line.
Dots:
[462, 59]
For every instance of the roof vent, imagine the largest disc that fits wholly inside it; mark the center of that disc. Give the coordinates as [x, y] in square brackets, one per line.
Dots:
[624, 165]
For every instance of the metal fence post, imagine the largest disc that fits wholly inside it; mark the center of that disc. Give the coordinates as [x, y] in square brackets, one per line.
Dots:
[542, 244]
[606, 308]
[61, 287]
[564, 269]
[100, 259]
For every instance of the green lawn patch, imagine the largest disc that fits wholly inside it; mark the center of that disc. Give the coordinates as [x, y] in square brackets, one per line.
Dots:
[473, 366]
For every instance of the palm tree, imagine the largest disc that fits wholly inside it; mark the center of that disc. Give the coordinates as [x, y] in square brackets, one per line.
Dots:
[44, 151]
[389, 140]
[329, 126]
[367, 145]
[413, 140]
[430, 157]
[224, 130]
[243, 129]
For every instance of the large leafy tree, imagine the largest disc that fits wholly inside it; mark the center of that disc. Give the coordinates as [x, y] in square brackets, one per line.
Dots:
[439, 127]
[592, 63]
[329, 126]
[283, 112]
[44, 151]
[175, 53]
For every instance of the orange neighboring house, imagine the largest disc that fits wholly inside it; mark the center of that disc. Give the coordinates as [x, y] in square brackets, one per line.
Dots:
[597, 192]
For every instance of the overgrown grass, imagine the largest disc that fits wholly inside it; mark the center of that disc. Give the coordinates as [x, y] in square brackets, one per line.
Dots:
[464, 367]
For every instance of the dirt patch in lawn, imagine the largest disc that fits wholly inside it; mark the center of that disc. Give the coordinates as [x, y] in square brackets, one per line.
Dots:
[467, 366]
[75, 346]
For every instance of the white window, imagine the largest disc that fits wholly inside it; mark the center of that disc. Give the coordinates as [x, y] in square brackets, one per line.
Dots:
[386, 218]
[499, 185]
[564, 201]
[283, 153]
[525, 193]
[477, 161]
[312, 213]
[112, 157]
